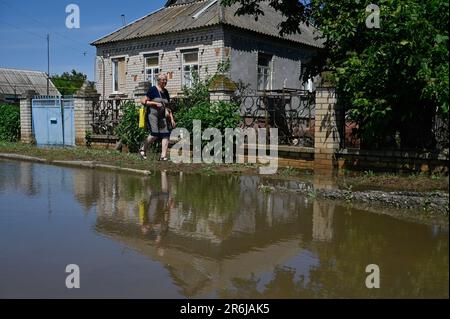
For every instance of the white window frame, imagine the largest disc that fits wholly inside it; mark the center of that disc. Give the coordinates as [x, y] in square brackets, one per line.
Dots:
[269, 74]
[113, 65]
[153, 80]
[191, 65]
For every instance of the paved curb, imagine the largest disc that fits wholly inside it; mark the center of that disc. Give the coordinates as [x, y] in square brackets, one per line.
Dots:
[82, 164]
[22, 158]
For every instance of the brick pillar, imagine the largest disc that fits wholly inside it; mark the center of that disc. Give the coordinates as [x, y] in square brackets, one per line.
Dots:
[327, 139]
[140, 90]
[85, 98]
[26, 120]
[221, 89]
[215, 96]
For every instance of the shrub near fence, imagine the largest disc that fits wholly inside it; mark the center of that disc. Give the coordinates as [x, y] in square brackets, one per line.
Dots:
[9, 122]
[128, 130]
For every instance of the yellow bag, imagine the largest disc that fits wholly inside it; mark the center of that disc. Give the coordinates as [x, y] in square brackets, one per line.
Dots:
[142, 114]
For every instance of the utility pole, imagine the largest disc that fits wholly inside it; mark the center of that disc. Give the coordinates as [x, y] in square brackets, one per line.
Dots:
[48, 64]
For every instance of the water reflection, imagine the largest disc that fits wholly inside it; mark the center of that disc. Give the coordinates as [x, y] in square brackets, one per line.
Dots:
[217, 236]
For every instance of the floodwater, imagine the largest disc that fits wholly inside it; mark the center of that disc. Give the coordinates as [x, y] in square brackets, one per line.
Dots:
[198, 236]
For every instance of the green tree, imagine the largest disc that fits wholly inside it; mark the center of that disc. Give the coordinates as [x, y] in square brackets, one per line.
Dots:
[392, 80]
[69, 83]
[294, 12]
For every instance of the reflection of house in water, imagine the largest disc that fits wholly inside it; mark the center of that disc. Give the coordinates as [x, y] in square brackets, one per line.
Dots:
[110, 193]
[218, 228]
[207, 246]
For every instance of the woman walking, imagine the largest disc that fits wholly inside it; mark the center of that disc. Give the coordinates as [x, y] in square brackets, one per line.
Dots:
[160, 119]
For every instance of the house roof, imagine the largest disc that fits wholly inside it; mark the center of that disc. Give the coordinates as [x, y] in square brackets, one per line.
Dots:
[17, 82]
[178, 15]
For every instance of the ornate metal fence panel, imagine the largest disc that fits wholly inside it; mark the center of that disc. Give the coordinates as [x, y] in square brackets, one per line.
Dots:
[440, 131]
[107, 114]
[292, 113]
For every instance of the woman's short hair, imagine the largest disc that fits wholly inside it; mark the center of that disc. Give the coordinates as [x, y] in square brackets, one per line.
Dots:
[161, 76]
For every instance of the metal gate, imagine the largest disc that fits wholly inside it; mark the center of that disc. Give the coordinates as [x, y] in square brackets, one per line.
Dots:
[53, 120]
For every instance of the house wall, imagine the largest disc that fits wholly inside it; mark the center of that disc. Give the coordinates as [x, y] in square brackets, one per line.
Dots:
[286, 64]
[169, 46]
[215, 44]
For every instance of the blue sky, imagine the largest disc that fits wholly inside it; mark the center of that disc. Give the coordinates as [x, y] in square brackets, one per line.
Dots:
[24, 25]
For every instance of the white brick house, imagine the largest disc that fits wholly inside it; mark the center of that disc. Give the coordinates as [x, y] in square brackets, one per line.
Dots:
[196, 35]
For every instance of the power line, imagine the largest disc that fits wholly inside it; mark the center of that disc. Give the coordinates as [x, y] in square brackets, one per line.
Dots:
[28, 31]
[41, 23]
[47, 27]
[84, 53]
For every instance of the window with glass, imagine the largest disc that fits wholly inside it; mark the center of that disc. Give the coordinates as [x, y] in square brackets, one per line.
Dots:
[152, 68]
[190, 67]
[264, 72]
[119, 75]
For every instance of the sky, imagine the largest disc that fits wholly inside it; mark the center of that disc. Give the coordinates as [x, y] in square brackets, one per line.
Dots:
[24, 25]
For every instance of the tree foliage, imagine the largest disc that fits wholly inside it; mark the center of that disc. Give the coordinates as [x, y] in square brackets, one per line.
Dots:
[392, 79]
[9, 122]
[69, 83]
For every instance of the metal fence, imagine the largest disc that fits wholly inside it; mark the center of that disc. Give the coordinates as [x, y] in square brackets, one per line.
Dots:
[292, 112]
[440, 131]
[106, 115]
[439, 138]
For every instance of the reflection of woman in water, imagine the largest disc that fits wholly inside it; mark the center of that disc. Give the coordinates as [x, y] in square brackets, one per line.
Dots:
[154, 213]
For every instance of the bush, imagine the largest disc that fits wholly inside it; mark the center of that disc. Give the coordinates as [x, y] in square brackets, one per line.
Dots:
[128, 130]
[9, 122]
[220, 115]
[195, 105]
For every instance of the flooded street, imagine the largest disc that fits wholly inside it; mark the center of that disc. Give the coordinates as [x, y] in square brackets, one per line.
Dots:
[198, 236]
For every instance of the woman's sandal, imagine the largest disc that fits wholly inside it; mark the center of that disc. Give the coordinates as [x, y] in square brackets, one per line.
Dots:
[163, 159]
[142, 154]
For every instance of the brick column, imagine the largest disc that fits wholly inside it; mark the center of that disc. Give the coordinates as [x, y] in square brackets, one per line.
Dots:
[221, 89]
[140, 90]
[215, 96]
[85, 98]
[327, 139]
[26, 120]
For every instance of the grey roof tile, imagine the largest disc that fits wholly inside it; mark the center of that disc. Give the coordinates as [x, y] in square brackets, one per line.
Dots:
[16, 82]
[178, 16]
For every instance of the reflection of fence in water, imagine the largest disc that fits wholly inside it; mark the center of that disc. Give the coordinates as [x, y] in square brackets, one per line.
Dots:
[292, 113]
